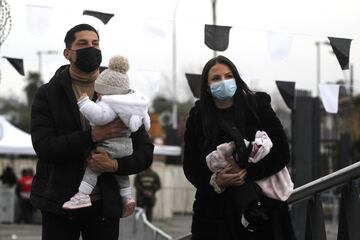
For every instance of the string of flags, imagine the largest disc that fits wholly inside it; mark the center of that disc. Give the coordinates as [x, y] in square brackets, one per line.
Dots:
[279, 45]
[156, 28]
[216, 38]
[329, 95]
[38, 19]
[194, 82]
[287, 92]
[341, 48]
[17, 63]
[103, 17]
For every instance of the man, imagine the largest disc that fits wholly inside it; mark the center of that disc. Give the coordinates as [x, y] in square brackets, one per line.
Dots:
[147, 183]
[65, 145]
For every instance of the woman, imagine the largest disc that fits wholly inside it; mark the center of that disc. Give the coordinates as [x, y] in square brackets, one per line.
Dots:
[224, 96]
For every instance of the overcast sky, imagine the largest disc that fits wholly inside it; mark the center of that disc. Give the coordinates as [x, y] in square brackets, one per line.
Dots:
[150, 57]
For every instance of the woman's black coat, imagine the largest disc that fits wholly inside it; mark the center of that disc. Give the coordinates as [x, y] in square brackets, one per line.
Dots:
[214, 217]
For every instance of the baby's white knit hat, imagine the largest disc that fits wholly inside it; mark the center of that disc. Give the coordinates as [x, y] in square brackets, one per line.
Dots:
[114, 80]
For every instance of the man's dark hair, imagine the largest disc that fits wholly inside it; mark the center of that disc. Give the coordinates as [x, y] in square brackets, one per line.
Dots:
[70, 35]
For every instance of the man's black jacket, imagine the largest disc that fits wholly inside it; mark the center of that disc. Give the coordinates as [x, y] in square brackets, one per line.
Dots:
[62, 148]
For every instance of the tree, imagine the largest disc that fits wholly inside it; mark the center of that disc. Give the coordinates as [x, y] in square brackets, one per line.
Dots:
[33, 83]
[18, 112]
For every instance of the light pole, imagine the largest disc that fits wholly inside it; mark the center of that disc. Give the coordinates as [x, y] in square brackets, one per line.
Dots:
[213, 3]
[318, 64]
[40, 53]
[174, 69]
[174, 62]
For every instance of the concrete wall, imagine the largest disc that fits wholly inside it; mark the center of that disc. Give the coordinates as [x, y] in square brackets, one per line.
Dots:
[175, 196]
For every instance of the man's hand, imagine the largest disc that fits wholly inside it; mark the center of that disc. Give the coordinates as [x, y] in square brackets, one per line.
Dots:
[115, 128]
[99, 161]
[82, 96]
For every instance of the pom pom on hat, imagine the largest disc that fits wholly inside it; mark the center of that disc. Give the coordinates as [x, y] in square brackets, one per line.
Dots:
[119, 63]
[114, 80]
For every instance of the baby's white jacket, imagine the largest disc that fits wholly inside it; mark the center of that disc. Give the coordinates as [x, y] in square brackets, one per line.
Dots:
[132, 108]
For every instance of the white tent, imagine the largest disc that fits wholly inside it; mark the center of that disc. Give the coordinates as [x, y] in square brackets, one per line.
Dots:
[14, 140]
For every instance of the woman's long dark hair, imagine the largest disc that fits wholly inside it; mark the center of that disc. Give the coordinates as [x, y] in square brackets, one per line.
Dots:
[243, 98]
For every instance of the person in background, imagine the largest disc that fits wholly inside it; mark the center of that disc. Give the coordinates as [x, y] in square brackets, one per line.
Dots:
[65, 145]
[23, 191]
[224, 96]
[147, 183]
[8, 177]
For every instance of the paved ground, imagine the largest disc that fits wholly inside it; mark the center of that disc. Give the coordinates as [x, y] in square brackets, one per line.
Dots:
[177, 226]
[20, 232]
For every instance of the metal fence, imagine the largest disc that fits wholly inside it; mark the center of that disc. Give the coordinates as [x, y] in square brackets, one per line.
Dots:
[312, 195]
[137, 227]
[308, 203]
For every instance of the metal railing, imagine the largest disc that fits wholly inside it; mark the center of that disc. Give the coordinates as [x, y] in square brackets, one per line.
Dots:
[341, 177]
[137, 227]
[307, 204]
[349, 214]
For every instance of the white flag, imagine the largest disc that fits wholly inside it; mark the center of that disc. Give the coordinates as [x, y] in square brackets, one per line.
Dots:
[156, 28]
[38, 19]
[279, 45]
[329, 94]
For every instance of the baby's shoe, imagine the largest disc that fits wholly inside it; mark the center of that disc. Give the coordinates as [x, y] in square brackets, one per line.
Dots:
[128, 206]
[79, 200]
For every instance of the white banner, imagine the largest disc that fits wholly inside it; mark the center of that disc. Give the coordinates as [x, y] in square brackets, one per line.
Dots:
[279, 45]
[38, 19]
[329, 94]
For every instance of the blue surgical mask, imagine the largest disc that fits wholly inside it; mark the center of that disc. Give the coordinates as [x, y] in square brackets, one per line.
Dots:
[223, 90]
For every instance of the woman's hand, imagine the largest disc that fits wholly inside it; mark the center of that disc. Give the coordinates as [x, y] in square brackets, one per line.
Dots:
[228, 177]
[115, 128]
[100, 161]
[235, 167]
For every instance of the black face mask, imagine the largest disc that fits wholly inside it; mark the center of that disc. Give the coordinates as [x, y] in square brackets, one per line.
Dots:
[88, 59]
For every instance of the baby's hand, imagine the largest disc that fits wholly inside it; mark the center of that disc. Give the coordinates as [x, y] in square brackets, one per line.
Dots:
[82, 96]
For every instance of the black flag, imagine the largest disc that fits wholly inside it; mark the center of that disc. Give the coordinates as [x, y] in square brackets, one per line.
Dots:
[194, 81]
[287, 91]
[217, 37]
[17, 63]
[341, 48]
[104, 17]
